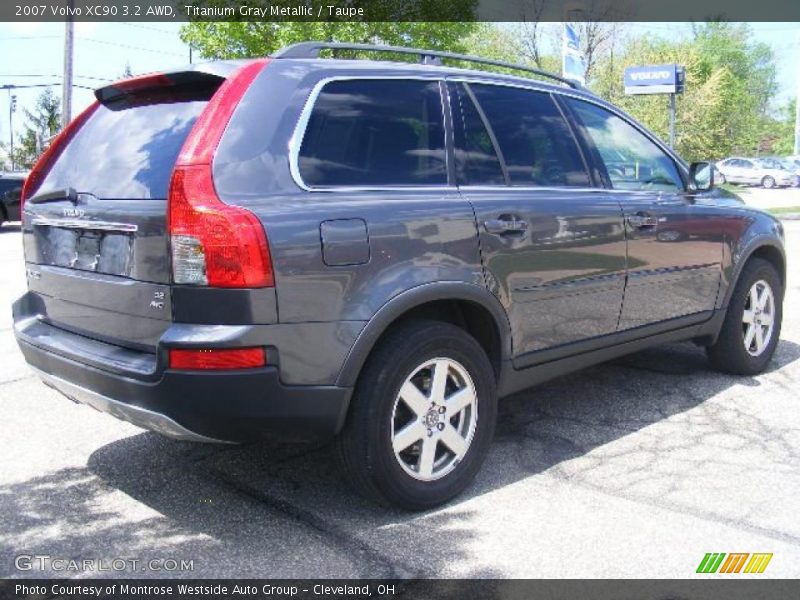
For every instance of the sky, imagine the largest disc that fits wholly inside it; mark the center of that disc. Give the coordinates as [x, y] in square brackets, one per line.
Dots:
[32, 54]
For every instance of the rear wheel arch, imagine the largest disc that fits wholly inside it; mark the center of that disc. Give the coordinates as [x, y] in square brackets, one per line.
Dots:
[468, 306]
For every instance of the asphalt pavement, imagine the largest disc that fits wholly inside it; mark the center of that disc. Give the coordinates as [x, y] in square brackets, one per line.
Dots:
[635, 468]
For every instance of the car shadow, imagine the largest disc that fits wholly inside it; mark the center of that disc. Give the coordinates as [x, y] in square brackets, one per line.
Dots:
[254, 498]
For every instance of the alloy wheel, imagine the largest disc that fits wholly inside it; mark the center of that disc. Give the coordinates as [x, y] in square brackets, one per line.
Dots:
[758, 318]
[434, 419]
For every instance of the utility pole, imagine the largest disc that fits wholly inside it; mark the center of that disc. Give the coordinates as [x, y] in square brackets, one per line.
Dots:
[672, 121]
[66, 90]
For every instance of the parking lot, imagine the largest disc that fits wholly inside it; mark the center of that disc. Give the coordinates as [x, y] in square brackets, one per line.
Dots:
[635, 468]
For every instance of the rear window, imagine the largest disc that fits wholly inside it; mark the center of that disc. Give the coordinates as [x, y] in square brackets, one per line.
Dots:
[127, 149]
[375, 132]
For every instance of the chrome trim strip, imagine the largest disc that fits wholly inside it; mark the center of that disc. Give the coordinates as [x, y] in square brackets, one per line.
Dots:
[85, 224]
[300, 129]
[302, 123]
[141, 417]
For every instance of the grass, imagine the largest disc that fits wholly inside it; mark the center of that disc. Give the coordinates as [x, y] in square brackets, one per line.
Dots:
[783, 210]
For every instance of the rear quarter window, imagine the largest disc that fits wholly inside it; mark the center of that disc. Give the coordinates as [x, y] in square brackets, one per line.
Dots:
[375, 133]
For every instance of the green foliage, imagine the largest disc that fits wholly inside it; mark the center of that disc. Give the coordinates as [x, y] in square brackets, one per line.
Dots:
[730, 79]
[729, 83]
[396, 22]
[783, 131]
[41, 124]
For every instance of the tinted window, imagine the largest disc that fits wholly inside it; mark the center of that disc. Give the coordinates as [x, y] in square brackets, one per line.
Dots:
[746, 164]
[632, 160]
[476, 158]
[375, 132]
[534, 140]
[6, 185]
[128, 149]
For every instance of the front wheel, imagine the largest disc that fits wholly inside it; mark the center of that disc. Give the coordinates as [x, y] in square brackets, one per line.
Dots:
[422, 416]
[768, 182]
[752, 325]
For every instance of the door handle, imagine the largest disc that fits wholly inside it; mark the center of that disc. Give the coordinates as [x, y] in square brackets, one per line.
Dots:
[641, 220]
[506, 224]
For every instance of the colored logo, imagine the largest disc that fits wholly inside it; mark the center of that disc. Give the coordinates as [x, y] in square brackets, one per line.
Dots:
[737, 562]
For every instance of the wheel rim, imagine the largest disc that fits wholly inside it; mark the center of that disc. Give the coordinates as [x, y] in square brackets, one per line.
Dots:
[769, 182]
[758, 319]
[434, 418]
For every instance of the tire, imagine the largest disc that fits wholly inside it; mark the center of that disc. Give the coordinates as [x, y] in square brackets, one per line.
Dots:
[768, 182]
[378, 410]
[732, 353]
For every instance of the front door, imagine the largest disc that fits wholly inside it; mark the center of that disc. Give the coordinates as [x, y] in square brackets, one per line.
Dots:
[553, 246]
[674, 244]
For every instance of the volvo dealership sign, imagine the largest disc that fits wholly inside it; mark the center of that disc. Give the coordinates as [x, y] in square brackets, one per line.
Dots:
[654, 79]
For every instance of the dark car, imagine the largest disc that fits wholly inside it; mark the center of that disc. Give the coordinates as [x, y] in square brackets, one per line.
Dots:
[301, 248]
[10, 191]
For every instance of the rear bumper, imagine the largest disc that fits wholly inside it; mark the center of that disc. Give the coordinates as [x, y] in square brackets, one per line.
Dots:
[213, 406]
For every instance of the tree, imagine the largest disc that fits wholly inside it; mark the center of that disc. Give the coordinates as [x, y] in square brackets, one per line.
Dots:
[42, 124]
[531, 31]
[398, 23]
[729, 83]
[782, 131]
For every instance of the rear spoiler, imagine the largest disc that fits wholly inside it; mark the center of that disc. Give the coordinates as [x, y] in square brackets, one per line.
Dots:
[212, 74]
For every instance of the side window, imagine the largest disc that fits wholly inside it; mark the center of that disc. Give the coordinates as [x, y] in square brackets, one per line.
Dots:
[476, 156]
[534, 140]
[375, 132]
[746, 164]
[632, 160]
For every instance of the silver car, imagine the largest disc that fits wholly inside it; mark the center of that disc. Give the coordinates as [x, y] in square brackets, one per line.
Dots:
[754, 171]
[787, 164]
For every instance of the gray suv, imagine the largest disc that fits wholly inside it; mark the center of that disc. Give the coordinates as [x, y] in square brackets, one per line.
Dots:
[305, 248]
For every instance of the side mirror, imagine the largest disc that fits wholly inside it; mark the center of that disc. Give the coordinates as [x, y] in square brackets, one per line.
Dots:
[701, 176]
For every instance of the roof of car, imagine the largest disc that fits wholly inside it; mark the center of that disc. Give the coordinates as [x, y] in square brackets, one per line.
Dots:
[13, 174]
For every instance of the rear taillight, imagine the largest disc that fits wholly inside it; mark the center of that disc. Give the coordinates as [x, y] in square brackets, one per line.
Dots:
[49, 156]
[216, 359]
[214, 244]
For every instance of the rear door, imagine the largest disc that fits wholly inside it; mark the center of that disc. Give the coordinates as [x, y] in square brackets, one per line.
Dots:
[748, 172]
[553, 246]
[95, 229]
[674, 244]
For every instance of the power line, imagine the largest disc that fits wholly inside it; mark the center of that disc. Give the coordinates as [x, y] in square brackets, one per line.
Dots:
[118, 45]
[12, 38]
[53, 75]
[149, 28]
[93, 41]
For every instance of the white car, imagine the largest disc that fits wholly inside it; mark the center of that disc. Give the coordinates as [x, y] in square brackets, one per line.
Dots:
[753, 171]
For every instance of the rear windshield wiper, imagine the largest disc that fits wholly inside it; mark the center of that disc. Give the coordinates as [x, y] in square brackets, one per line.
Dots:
[68, 193]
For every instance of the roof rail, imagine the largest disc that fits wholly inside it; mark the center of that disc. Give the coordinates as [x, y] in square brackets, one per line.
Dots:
[312, 50]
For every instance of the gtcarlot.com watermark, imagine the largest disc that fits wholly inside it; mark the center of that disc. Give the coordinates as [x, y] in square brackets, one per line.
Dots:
[60, 564]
